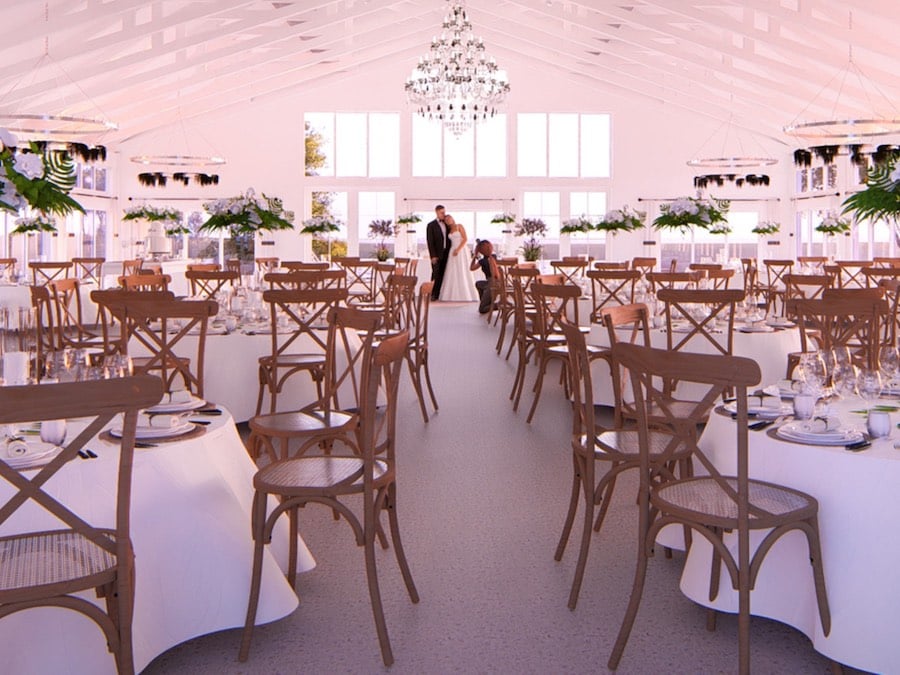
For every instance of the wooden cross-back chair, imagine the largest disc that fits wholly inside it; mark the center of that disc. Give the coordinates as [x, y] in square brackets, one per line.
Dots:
[804, 286]
[751, 276]
[714, 504]
[851, 273]
[815, 264]
[874, 275]
[159, 327]
[719, 279]
[521, 279]
[203, 267]
[264, 265]
[572, 269]
[208, 283]
[110, 310]
[591, 443]
[234, 265]
[502, 305]
[645, 265]
[302, 348]
[885, 261]
[130, 267]
[46, 338]
[88, 270]
[661, 280]
[360, 279]
[612, 265]
[704, 267]
[611, 287]
[306, 280]
[714, 326]
[72, 331]
[43, 273]
[7, 267]
[417, 353]
[368, 474]
[855, 323]
[399, 304]
[774, 285]
[145, 282]
[80, 552]
[406, 266]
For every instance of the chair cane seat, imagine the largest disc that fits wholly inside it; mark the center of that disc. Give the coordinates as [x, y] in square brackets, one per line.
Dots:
[60, 557]
[300, 423]
[308, 360]
[705, 501]
[314, 474]
[626, 444]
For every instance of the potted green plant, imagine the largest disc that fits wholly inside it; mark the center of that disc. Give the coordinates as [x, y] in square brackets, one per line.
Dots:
[382, 229]
[687, 212]
[532, 229]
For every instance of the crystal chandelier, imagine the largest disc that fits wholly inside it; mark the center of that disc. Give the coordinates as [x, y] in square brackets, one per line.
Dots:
[457, 83]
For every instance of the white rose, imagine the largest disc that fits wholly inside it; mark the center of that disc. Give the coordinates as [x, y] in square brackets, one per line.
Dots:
[30, 165]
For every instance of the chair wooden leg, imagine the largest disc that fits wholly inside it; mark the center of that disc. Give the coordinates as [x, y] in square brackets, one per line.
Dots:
[424, 366]
[634, 603]
[711, 615]
[715, 570]
[417, 385]
[815, 558]
[588, 521]
[259, 520]
[604, 502]
[391, 506]
[570, 514]
[387, 655]
[124, 616]
[538, 385]
[293, 533]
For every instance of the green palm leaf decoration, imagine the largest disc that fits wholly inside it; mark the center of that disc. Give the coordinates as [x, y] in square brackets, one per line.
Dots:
[48, 192]
[881, 197]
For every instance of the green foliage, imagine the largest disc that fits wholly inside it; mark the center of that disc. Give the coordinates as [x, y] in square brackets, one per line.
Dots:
[48, 193]
[320, 248]
[246, 214]
[881, 197]
[315, 158]
[532, 229]
[688, 212]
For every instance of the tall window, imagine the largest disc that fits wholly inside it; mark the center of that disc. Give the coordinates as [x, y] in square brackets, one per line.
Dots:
[592, 205]
[352, 144]
[480, 151]
[93, 234]
[543, 205]
[563, 145]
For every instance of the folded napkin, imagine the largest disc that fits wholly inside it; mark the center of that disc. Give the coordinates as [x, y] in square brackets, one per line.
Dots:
[159, 421]
[182, 396]
[823, 424]
[16, 448]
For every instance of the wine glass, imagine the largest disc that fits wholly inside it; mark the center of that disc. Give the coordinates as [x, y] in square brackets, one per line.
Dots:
[844, 379]
[813, 372]
[890, 364]
[868, 384]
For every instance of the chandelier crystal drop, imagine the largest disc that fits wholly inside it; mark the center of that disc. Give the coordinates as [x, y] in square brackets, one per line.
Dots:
[457, 83]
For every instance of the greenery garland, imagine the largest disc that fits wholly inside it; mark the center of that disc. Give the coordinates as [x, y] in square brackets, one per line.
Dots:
[766, 227]
[154, 214]
[408, 219]
[504, 218]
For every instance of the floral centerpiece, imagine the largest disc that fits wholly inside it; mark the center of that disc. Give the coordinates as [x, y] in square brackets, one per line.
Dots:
[167, 216]
[408, 219]
[833, 224]
[766, 227]
[881, 197]
[382, 229]
[34, 224]
[532, 229]
[37, 178]
[504, 218]
[177, 231]
[581, 224]
[247, 214]
[688, 212]
[624, 220]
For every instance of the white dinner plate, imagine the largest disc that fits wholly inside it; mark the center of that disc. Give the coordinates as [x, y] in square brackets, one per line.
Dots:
[781, 323]
[800, 433]
[185, 406]
[757, 329]
[148, 433]
[754, 408]
[37, 451]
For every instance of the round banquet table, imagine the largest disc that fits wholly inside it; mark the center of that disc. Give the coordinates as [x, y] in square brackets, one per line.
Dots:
[191, 505]
[859, 501]
[769, 350]
[14, 297]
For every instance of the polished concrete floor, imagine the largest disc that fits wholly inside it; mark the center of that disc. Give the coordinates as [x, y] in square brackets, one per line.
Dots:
[482, 497]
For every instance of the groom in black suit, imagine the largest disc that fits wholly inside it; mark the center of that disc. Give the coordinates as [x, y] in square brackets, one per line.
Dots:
[438, 249]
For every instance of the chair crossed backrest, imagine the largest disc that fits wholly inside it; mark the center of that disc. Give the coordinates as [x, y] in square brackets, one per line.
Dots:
[46, 338]
[302, 348]
[851, 275]
[645, 265]
[611, 287]
[79, 552]
[65, 298]
[298, 265]
[854, 323]
[874, 275]
[751, 275]
[704, 267]
[234, 265]
[89, 270]
[635, 319]
[660, 280]
[264, 265]
[417, 353]
[130, 267]
[804, 286]
[367, 471]
[45, 272]
[611, 265]
[719, 279]
[360, 279]
[704, 314]
[159, 328]
[399, 304]
[203, 267]
[305, 280]
[814, 263]
[885, 261]
[572, 269]
[145, 282]
[713, 504]
[407, 266]
[110, 311]
[774, 286]
[207, 283]
[7, 266]
[521, 279]
[891, 289]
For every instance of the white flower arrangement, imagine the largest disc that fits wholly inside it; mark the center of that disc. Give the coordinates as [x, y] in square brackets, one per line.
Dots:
[766, 227]
[624, 219]
[247, 214]
[321, 225]
[504, 218]
[31, 224]
[689, 211]
[580, 224]
[408, 219]
[833, 224]
[167, 215]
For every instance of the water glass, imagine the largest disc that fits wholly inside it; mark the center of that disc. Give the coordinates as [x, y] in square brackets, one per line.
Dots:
[878, 424]
[868, 384]
[53, 431]
[890, 364]
[804, 405]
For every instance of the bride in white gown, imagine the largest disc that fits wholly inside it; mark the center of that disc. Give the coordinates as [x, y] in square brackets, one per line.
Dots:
[459, 282]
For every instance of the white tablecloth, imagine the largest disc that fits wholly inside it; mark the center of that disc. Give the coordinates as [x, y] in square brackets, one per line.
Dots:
[191, 532]
[859, 500]
[15, 297]
[769, 350]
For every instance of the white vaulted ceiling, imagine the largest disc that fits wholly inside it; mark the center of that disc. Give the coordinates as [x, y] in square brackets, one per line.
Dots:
[145, 64]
